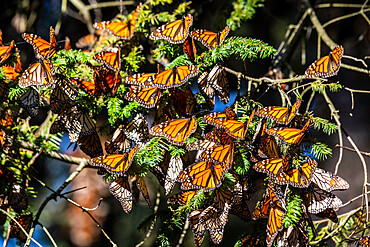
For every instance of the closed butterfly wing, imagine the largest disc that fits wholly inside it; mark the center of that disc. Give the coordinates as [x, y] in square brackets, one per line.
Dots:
[143, 190]
[10, 72]
[90, 144]
[118, 143]
[217, 79]
[106, 80]
[16, 232]
[289, 135]
[137, 130]
[120, 189]
[328, 181]
[175, 167]
[174, 32]
[206, 90]
[121, 29]
[282, 115]
[202, 175]
[202, 145]
[111, 59]
[184, 102]
[30, 101]
[189, 49]
[326, 66]
[273, 167]
[219, 136]
[175, 131]
[143, 80]
[215, 220]
[146, 97]
[115, 163]
[175, 77]
[38, 74]
[301, 177]
[63, 93]
[210, 39]
[197, 228]
[328, 213]
[364, 241]
[6, 51]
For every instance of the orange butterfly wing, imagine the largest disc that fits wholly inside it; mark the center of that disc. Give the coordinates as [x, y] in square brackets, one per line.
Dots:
[289, 135]
[326, 66]
[174, 32]
[112, 60]
[142, 79]
[121, 29]
[175, 131]
[41, 46]
[116, 163]
[189, 49]
[203, 175]
[210, 39]
[222, 153]
[282, 115]
[38, 74]
[146, 97]
[6, 51]
[175, 77]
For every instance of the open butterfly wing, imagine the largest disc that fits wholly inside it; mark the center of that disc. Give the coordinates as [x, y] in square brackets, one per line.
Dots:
[174, 32]
[146, 97]
[175, 77]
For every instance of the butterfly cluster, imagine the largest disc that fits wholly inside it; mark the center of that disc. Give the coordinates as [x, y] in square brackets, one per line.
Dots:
[205, 161]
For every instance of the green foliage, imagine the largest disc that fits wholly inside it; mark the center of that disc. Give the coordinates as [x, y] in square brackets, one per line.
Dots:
[321, 151]
[324, 124]
[243, 11]
[294, 212]
[319, 87]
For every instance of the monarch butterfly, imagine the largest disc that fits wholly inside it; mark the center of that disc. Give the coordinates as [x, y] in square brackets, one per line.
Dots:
[250, 240]
[30, 101]
[120, 189]
[214, 220]
[146, 97]
[189, 49]
[63, 93]
[272, 207]
[210, 39]
[294, 236]
[282, 115]
[234, 128]
[116, 163]
[175, 131]
[182, 198]
[6, 51]
[214, 82]
[137, 129]
[240, 195]
[328, 181]
[364, 241]
[144, 80]
[121, 29]
[326, 66]
[88, 41]
[183, 101]
[328, 213]
[140, 182]
[38, 74]
[175, 77]
[197, 228]
[16, 232]
[90, 144]
[276, 168]
[105, 81]
[320, 200]
[219, 136]
[111, 59]
[202, 175]
[174, 32]
[289, 135]
[118, 142]
[42, 48]
[175, 166]
[67, 44]
[222, 153]
[10, 72]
